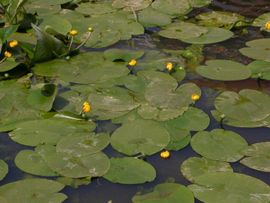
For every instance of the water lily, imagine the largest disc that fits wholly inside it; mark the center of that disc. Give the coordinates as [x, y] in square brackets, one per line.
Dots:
[133, 62]
[13, 43]
[73, 32]
[7, 54]
[86, 107]
[169, 66]
[165, 154]
[195, 97]
[267, 25]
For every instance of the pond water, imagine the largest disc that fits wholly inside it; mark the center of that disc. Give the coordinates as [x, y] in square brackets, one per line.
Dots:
[168, 170]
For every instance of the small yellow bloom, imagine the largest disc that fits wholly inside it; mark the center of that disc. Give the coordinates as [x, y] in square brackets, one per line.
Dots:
[7, 54]
[169, 66]
[195, 97]
[13, 43]
[165, 154]
[133, 62]
[86, 107]
[73, 32]
[90, 29]
[267, 25]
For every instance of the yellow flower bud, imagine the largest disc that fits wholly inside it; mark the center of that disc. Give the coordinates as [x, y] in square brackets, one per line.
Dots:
[90, 29]
[267, 25]
[86, 107]
[195, 97]
[7, 54]
[13, 43]
[133, 62]
[73, 32]
[165, 154]
[169, 66]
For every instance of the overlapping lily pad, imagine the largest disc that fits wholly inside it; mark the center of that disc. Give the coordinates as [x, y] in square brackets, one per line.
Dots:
[3, 169]
[129, 170]
[195, 34]
[146, 137]
[258, 49]
[261, 20]
[195, 167]
[32, 190]
[224, 70]
[229, 187]
[248, 108]
[260, 69]
[166, 193]
[131, 5]
[220, 145]
[258, 156]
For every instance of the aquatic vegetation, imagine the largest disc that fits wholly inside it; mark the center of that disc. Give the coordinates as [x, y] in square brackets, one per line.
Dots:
[111, 93]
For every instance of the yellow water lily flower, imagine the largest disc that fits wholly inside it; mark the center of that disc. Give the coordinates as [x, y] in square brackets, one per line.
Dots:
[90, 29]
[169, 66]
[133, 62]
[13, 43]
[86, 107]
[195, 97]
[267, 25]
[7, 54]
[165, 154]
[73, 32]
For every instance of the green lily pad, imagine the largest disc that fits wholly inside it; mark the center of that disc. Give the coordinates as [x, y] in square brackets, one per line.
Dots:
[48, 131]
[42, 8]
[56, 23]
[131, 5]
[3, 169]
[74, 182]
[8, 64]
[247, 108]
[93, 165]
[178, 139]
[33, 190]
[195, 167]
[31, 162]
[258, 157]
[261, 20]
[146, 137]
[42, 96]
[258, 49]
[260, 69]
[229, 187]
[95, 8]
[166, 193]
[224, 70]
[220, 145]
[151, 18]
[83, 144]
[172, 7]
[195, 34]
[129, 170]
[122, 54]
[219, 19]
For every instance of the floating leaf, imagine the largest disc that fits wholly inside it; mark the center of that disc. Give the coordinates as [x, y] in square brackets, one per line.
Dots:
[33, 190]
[8, 64]
[129, 170]
[55, 23]
[260, 69]
[166, 193]
[95, 8]
[3, 169]
[48, 131]
[224, 70]
[122, 55]
[230, 187]
[258, 49]
[220, 145]
[172, 7]
[261, 20]
[195, 167]
[258, 157]
[131, 5]
[146, 137]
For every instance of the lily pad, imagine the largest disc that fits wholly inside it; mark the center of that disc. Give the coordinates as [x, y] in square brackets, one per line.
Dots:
[122, 55]
[8, 64]
[261, 20]
[245, 109]
[258, 49]
[3, 169]
[260, 69]
[83, 144]
[93, 165]
[224, 70]
[31, 162]
[33, 190]
[48, 131]
[195, 167]
[146, 137]
[129, 170]
[257, 157]
[131, 5]
[220, 145]
[172, 7]
[166, 193]
[229, 187]
[55, 23]
[95, 8]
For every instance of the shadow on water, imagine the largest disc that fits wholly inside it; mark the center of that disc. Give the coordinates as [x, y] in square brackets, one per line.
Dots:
[100, 190]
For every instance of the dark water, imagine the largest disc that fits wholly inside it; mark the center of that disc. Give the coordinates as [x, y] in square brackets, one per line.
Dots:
[100, 190]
